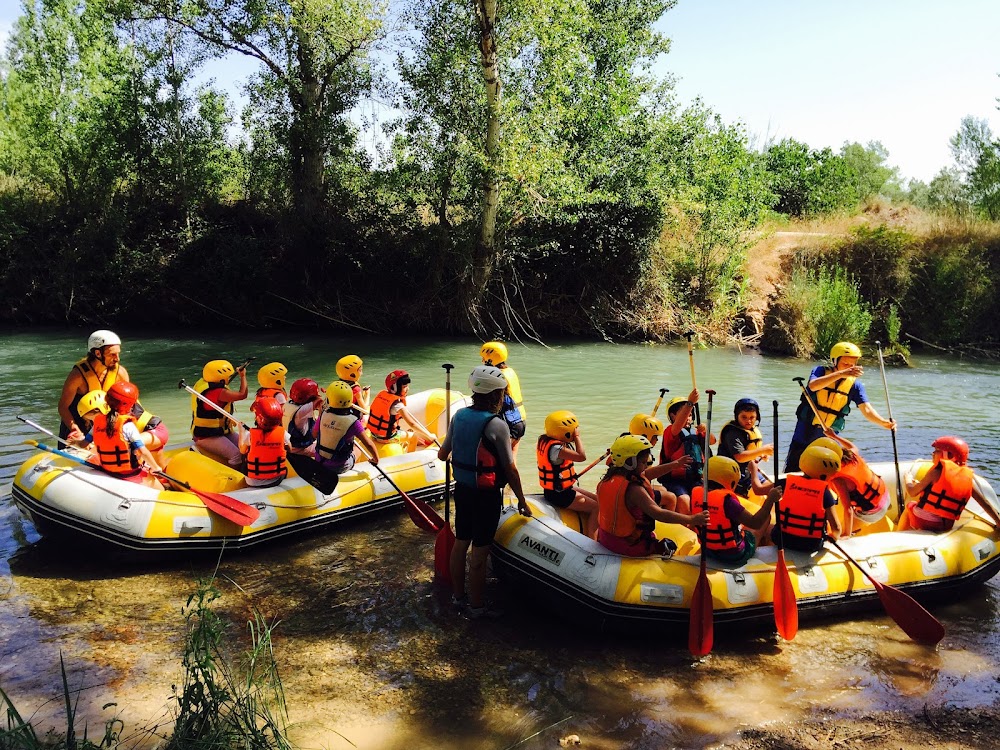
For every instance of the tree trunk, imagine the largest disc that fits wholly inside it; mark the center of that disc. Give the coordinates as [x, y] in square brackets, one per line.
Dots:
[306, 142]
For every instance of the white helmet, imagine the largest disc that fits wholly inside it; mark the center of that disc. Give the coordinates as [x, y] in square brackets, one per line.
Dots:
[486, 379]
[101, 339]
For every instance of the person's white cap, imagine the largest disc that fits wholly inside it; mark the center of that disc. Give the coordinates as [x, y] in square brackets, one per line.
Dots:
[486, 379]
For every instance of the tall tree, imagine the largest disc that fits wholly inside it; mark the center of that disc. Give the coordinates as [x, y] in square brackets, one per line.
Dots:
[977, 154]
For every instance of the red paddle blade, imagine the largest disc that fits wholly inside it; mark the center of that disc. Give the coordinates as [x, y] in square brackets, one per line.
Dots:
[422, 515]
[701, 626]
[786, 609]
[228, 507]
[911, 617]
[442, 553]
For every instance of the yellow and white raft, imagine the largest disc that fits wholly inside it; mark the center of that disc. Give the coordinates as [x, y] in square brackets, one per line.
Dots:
[64, 498]
[549, 557]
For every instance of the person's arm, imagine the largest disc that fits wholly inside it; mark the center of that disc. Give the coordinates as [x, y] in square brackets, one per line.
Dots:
[681, 417]
[760, 488]
[873, 416]
[760, 518]
[833, 528]
[764, 451]
[363, 404]
[655, 472]
[844, 442]
[985, 504]
[366, 440]
[131, 435]
[820, 381]
[577, 453]
[244, 440]
[415, 424]
[637, 497]
[914, 488]
[70, 388]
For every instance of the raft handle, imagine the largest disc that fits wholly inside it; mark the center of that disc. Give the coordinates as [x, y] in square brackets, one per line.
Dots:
[590, 560]
[931, 554]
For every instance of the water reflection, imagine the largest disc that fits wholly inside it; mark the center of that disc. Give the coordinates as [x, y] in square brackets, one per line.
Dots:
[368, 646]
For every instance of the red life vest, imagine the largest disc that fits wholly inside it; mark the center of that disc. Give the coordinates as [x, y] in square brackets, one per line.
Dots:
[802, 513]
[266, 457]
[721, 534]
[867, 487]
[947, 497]
[550, 476]
[381, 421]
[113, 451]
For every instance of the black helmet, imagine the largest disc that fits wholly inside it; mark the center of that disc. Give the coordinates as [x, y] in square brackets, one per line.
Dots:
[746, 404]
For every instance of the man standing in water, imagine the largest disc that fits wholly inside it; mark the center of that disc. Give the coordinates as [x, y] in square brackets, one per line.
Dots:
[98, 371]
[478, 442]
[832, 390]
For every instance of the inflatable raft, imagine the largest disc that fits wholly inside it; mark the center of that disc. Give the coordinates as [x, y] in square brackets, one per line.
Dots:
[547, 556]
[62, 497]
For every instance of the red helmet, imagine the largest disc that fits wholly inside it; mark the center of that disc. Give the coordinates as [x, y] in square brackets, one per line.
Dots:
[268, 411]
[958, 448]
[395, 380]
[122, 397]
[303, 390]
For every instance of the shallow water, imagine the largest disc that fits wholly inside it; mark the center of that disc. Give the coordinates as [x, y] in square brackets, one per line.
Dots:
[368, 651]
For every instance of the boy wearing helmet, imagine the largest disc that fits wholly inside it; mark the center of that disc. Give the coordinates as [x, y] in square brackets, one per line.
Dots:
[833, 390]
[806, 512]
[732, 533]
[265, 444]
[99, 370]
[349, 370]
[388, 412]
[741, 441]
[627, 510]
[478, 442]
[555, 452]
[683, 447]
[336, 430]
[860, 491]
[944, 490]
[494, 354]
[212, 432]
[115, 438]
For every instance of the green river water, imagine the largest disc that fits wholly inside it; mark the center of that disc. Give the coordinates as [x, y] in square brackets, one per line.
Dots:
[372, 657]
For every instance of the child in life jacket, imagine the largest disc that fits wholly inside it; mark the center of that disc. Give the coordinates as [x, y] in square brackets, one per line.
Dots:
[555, 452]
[806, 506]
[651, 428]
[388, 413]
[213, 432]
[627, 510]
[272, 383]
[265, 444]
[115, 437]
[943, 489]
[512, 411]
[732, 533]
[740, 440]
[860, 490]
[336, 430]
[349, 370]
[681, 438]
[298, 418]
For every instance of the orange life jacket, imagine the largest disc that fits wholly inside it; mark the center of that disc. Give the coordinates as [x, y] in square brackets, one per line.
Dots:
[113, 451]
[381, 421]
[266, 457]
[948, 496]
[867, 487]
[613, 514]
[721, 534]
[550, 476]
[802, 513]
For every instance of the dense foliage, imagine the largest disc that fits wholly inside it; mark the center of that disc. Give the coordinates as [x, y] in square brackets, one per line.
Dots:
[536, 176]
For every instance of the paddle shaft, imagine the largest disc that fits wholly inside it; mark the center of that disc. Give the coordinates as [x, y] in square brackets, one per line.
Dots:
[895, 452]
[808, 397]
[42, 429]
[786, 608]
[420, 507]
[448, 367]
[594, 463]
[694, 383]
[212, 405]
[701, 626]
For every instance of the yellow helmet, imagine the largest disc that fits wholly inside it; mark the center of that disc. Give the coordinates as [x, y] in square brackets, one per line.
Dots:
[216, 370]
[272, 375]
[625, 449]
[844, 349]
[339, 395]
[675, 404]
[92, 400]
[649, 427]
[819, 463]
[560, 425]
[724, 470]
[493, 353]
[349, 368]
[831, 444]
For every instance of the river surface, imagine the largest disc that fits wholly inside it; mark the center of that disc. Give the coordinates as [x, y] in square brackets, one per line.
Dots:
[369, 653]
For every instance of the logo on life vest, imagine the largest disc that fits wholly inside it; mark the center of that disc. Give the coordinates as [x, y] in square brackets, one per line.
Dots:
[543, 551]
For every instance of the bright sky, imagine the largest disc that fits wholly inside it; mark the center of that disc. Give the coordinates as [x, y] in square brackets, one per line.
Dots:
[903, 72]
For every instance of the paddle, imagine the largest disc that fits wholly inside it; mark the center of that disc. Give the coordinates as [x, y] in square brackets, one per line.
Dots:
[786, 609]
[212, 405]
[701, 626]
[422, 515]
[808, 397]
[228, 507]
[594, 463]
[694, 385]
[656, 406]
[445, 541]
[895, 452]
[42, 429]
[914, 620]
